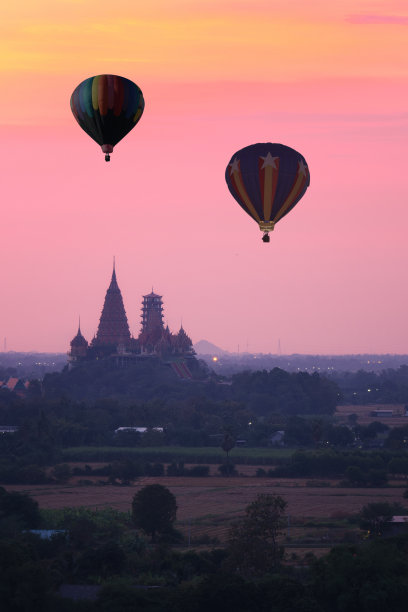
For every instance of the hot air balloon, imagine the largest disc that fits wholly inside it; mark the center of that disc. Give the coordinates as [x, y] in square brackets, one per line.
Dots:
[267, 180]
[107, 107]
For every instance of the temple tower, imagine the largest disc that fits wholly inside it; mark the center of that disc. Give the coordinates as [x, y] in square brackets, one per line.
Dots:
[183, 342]
[79, 347]
[113, 327]
[152, 322]
[152, 313]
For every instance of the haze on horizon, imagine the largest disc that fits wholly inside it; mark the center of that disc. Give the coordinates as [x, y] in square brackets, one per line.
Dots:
[328, 79]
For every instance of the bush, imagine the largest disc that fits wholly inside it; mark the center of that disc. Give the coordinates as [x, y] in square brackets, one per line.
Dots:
[199, 471]
[20, 507]
[155, 469]
[227, 469]
[175, 469]
[261, 473]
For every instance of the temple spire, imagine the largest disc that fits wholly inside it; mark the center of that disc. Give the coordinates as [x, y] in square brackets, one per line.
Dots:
[113, 279]
[113, 325]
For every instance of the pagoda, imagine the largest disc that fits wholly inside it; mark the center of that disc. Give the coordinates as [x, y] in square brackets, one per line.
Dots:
[152, 322]
[113, 330]
[154, 338]
[79, 347]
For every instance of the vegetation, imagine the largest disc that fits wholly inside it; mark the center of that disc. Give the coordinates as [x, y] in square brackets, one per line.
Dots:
[253, 547]
[104, 550]
[154, 509]
[73, 416]
[389, 386]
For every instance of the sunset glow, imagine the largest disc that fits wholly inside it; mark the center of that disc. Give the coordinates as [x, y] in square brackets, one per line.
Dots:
[328, 79]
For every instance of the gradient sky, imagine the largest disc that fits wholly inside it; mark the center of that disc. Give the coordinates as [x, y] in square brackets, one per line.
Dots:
[326, 78]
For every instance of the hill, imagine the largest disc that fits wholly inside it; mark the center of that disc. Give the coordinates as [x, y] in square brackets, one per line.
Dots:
[203, 347]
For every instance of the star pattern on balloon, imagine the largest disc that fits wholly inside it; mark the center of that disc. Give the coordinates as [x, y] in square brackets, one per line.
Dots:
[302, 168]
[234, 166]
[269, 161]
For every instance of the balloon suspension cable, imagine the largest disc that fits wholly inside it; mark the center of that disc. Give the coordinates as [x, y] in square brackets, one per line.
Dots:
[107, 157]
[265, 237]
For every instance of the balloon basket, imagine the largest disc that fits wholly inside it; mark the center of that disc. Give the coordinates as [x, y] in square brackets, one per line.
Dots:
[107, 157]
[265, 237]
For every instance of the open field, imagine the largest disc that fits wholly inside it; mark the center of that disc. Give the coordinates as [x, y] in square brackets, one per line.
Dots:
[195, 454]
[365, 418]
[207, 506]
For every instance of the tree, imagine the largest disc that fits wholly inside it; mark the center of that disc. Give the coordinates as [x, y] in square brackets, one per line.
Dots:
[20, 507]
[356, 579]
[356, 476]
[62, 472]
[154, 509]
[228, 443]
[339, 435]
[253, 547]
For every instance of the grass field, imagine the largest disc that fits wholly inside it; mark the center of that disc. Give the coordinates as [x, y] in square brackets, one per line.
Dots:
[206, 454]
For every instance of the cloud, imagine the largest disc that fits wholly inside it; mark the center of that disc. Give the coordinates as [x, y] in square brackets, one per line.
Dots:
[378, 19]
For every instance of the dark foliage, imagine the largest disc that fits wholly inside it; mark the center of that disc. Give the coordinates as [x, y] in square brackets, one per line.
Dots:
[371, 578]
[154, 509]
[19, 507]
[252, 546]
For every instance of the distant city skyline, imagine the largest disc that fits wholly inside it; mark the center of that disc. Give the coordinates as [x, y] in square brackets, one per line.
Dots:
[328, 79]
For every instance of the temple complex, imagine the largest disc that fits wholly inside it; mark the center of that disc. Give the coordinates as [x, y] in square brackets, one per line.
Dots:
[113, 337]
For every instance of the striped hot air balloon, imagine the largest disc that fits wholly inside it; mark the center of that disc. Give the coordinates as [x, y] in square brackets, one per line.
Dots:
[267, 180]
[107, 107]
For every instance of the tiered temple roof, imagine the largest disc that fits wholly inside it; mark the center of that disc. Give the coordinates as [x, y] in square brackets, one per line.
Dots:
[113, 327]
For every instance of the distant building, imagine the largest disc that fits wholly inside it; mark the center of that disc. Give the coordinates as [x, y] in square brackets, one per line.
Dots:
[113, 337]
[17, 385]
[8, 429]
[79, 347]
[277, 439]
[138, 430]
[398, 525]
[381, 413]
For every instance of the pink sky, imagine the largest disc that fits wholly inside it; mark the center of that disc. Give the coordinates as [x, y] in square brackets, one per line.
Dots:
[328, 79]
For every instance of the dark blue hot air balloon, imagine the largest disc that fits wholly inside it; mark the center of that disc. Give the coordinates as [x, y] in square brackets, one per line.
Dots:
[267, 180]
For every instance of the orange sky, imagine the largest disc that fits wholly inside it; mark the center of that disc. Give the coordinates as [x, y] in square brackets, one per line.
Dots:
[329, 79]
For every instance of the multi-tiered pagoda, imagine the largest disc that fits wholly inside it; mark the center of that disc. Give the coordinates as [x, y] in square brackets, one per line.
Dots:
[113, 331]
[114, 338]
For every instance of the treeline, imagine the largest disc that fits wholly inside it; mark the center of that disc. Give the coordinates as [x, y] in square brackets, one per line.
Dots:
[356, 467]
[386, 387]
[262, 392]
[286, 392]
[273, 390]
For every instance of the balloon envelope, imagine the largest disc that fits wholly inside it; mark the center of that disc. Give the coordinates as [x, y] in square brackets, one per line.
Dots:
[107, 107]
[267, 180]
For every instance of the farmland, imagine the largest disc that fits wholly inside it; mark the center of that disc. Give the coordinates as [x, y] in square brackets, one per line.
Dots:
[364, 416]
[317, 510]
[208, 454]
